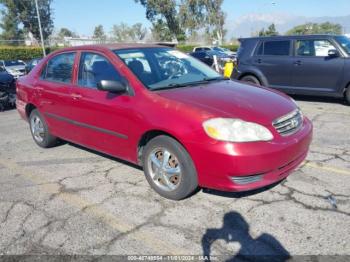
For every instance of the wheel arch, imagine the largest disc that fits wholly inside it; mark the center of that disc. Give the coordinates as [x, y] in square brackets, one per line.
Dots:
[262, 79]
[148, 136]
[29, 108]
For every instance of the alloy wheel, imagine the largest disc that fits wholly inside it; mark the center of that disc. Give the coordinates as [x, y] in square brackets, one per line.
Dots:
[37, 128]
[164, 169]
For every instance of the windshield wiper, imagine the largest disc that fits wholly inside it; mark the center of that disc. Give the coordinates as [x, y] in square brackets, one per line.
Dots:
[203, 81]
[169, 86]
[220, 78]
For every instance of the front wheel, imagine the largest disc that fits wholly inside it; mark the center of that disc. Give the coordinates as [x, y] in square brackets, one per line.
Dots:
[251, 79]
[169, 169]
[40, 130]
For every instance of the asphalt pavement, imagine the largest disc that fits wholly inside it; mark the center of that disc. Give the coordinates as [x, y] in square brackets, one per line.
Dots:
[70, 200]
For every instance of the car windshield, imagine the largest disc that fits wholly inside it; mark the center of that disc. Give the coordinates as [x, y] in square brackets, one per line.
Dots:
[164, 68]
[14, 63]
[344, 42]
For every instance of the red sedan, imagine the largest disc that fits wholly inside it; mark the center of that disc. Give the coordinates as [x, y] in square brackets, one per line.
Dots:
[186, 125]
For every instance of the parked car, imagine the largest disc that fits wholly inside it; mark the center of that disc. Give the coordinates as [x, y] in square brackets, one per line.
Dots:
[207, 57]
[215, 48]
[308, 65]
[156, 107]
[31, 64]
[14, 67]
[203, 56]
[7, 90]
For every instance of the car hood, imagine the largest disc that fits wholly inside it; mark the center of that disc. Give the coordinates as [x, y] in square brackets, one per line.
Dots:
[18, 67]
[232, 99]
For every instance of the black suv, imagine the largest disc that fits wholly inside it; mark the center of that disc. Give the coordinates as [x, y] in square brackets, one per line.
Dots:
[307, 65]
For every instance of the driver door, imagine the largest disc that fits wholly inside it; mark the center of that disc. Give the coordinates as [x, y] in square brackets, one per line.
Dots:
[313, 69]
[104, 119]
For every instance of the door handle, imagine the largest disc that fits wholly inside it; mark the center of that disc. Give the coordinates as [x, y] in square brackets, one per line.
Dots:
[76, 96]
[297, 63]
[259, 61]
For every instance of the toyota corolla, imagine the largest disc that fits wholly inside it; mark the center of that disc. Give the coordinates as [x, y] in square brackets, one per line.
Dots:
[186, 125]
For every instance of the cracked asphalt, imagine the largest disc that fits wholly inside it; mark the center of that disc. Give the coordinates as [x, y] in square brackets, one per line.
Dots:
[70, 200]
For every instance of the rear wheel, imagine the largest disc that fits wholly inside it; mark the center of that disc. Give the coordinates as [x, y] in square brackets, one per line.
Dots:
[40, 131]
[169, 169]
[251, 79]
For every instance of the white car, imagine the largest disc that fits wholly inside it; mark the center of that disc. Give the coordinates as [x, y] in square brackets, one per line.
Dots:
[16, 68]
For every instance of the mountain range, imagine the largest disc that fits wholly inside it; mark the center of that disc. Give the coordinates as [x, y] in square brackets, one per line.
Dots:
[248, 25]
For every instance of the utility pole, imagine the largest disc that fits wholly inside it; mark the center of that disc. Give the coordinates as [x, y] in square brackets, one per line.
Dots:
[40, 29]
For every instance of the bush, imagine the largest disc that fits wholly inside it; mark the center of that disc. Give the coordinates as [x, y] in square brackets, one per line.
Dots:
[186, 48]
[189, 48]
[22, 52]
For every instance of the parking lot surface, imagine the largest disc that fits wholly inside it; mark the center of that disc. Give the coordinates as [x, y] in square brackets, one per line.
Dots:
[70, 200]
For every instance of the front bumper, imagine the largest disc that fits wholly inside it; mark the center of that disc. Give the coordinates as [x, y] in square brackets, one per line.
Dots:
[262, 163]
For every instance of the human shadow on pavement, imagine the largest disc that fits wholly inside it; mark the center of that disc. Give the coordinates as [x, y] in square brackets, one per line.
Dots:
[236, 229]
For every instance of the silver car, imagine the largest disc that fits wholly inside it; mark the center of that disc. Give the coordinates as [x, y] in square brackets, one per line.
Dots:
[16, 68]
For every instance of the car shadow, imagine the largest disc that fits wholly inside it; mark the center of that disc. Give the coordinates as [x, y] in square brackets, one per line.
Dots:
[235, 229]
[121, 161]
[321, 99]
[240, 194]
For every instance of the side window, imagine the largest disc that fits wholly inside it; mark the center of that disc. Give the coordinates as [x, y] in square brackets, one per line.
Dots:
[59, 68]
[314, 48]
[277, 48]
[93, 68]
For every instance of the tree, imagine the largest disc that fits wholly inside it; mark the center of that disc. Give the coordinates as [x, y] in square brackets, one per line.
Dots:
[65, 32]
[99, 33]
[181, 18]
[314, 28]
[271, 31]
[160, 31]
[121, 32]
[25, 12]
[138, 32]
[125, 33]
[10, 26]
[215, 20]
[161, 12]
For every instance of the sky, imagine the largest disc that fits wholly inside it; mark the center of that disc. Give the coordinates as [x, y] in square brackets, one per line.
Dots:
[82, 16]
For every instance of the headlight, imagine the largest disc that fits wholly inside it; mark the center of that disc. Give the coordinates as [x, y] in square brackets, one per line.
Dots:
[236, 130]
[12, 71]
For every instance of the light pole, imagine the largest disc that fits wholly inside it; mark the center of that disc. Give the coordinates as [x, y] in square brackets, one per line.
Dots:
[40, 29]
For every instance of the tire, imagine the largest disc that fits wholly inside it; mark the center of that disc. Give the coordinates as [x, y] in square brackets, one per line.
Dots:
[251, 79]
[40, 131]
[347, 95]
[178, 179]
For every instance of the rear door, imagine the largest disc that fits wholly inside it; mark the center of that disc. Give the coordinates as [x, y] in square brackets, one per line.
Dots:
[54, 98]
[273, 59]
[103, 119]
[313, 69]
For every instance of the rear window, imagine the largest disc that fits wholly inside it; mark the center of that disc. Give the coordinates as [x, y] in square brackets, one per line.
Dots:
[274, 48]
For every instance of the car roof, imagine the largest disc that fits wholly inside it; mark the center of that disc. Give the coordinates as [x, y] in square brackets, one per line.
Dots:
[118, 46]
[288, 37]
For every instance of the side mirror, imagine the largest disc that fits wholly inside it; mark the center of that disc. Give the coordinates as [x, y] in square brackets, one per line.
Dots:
[333, 53]
[112, 86]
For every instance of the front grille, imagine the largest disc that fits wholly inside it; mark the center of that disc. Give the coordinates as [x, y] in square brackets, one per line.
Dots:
[289, 124]
[244, 180]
